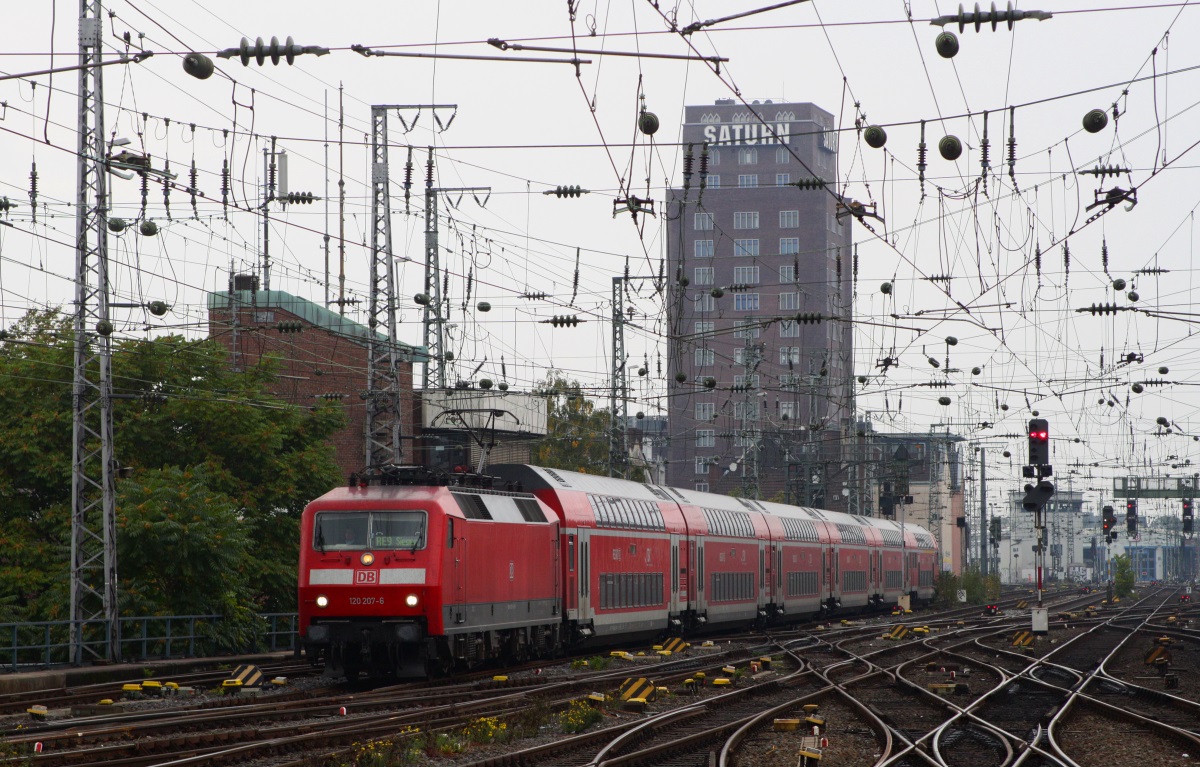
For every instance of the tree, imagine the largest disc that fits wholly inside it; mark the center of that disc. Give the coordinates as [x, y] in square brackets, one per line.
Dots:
[577, 432]
[1123, 577]
[202, 442]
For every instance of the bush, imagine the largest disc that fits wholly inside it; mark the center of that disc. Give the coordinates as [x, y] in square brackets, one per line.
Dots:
[579, 717]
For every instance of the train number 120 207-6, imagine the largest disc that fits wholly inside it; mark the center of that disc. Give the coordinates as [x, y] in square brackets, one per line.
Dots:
[366, 601]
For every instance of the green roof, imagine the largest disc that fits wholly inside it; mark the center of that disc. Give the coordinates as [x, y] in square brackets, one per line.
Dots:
[314, 314]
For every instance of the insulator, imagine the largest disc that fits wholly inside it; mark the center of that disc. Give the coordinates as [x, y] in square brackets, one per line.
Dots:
[985, 149]
[1102, 309]
[838, 259]
[568, 191]
[260, 51]
[809, 183]
[225, 182]
[1104, 255]
[408, 173]
[1037, 259]
[145, 192]
[704, 168]
[167, 189]
[1012, 145]
[429, 169]
[289, 326]
[300, 198]
[855, 267]
[1066, 258]
[922, 153]
[534, 296]
[808, 318]
[193, 182]
[33, 191]
[688, 160]
[6, 205]
[1101, 171]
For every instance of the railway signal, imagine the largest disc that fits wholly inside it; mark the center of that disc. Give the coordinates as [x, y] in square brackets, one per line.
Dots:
[1187, 516]
[1039, 442]
[1109, 522]
[1131, 516]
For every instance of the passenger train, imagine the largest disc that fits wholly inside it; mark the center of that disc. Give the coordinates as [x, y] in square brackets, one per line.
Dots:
[414, 572]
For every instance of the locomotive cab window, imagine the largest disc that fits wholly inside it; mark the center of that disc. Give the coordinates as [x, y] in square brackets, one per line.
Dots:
[356, 531]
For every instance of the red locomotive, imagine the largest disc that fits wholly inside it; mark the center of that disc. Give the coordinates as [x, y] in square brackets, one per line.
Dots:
[416, 572]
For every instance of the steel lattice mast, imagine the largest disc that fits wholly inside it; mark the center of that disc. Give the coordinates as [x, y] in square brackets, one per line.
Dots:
[383, 379]
[432, 319]
[93, 513]
[618, 449]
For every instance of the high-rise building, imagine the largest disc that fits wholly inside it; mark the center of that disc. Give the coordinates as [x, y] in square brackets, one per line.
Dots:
[757, 251]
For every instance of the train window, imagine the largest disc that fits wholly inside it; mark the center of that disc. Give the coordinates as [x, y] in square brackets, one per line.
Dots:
[340, 531]
[571, 553]
[398, 530]
[449, 532]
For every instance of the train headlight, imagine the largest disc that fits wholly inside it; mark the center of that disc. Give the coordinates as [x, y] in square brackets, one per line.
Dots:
[411, 600]
[367, 558]
[322, 600]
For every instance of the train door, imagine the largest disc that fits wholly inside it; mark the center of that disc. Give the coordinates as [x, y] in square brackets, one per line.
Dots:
[572, 585]
[456, 544]
[673, 584]
[584, 576]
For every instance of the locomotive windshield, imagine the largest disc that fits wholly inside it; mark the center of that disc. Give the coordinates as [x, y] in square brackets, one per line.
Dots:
[358, 530]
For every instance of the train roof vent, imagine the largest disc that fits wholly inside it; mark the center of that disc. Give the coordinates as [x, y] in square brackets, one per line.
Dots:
[558, 477]
[752, 504]
[473, 506]
[656, 491]
[530, 510]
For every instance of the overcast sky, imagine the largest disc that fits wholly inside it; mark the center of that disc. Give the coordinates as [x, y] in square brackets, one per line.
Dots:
[524, 128]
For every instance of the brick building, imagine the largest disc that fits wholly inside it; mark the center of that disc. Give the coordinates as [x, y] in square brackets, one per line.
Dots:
[751, 251]
[320, 354]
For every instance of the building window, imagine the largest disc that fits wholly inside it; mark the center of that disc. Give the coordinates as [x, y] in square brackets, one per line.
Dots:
[789, 355]
[789, 302]
[702, 275]
[745, 411]
[701, 465]
[705, 358]
[706, 411]
[789, 381]
[789, 328]
[713, 181]
[788, 219]
[739, 355]
[703, 222]
[748, 181]
[782, 155]
[787, 411]
[745, 275]
[703, 248]
[710, 117]
[745, 302]
[714, 157]
[702, 487]
[706, 438]
[832, 223]
[705, 302]
[789, 246]
[704, 329]
[783, 117]
[783, 179]
[787, 273]
[745, 220]
[745, 247]
[747, 156]
[747, 328]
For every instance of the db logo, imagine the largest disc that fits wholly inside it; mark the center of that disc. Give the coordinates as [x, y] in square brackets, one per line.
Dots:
[365, 576]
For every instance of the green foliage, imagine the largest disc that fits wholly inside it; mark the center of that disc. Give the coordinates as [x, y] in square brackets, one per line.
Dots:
[578, 717]
[577, 434]
[1123, 577]
[980, 590]
[221, 469]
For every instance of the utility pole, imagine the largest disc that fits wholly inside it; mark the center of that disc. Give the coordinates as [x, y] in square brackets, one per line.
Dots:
[750, 432]
[93, 499]
[983, 520]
